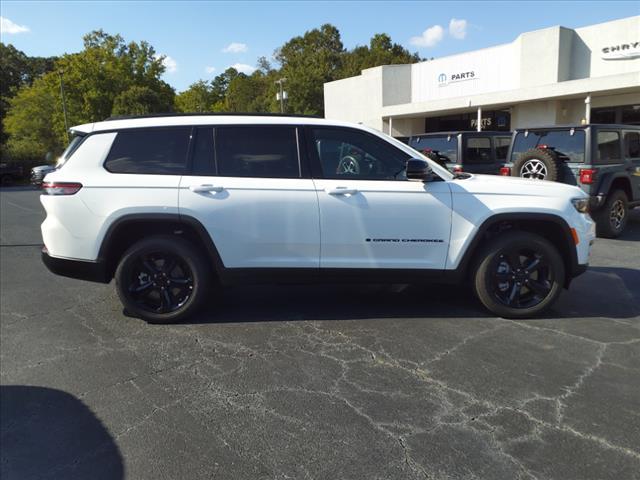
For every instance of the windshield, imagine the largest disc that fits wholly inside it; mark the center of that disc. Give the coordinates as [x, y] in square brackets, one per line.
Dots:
[446, 147]
[568, 144]
[73, 144]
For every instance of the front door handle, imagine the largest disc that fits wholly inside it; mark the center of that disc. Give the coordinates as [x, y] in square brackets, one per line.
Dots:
[341, 191]
[205, 188]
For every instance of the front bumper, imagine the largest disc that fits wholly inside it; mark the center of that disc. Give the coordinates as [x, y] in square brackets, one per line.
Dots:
[82, 270]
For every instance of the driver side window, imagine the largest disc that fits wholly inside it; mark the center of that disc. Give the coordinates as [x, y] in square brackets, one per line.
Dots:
[350, 154]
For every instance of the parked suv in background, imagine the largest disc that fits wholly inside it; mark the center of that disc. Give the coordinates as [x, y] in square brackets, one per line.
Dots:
[603, 160]
[173, 206]
[473, 152]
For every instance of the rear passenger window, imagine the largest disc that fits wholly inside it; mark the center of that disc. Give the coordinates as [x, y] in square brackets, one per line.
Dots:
[149, 151]
[268, 152]
[478, 150]
[502, 147]
[632, 144]
[608, 147]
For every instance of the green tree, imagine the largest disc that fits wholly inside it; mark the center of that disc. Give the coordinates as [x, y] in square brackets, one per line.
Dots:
[16, 71]
[381, 51]
[308, 62]
[197, 98]
[140, 100]
[29, 121]
[107, 77]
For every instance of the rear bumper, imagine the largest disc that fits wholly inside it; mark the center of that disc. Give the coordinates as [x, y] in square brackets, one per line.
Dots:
[82, 270]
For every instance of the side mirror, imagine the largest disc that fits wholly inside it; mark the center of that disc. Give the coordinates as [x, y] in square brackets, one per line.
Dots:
[419, 170]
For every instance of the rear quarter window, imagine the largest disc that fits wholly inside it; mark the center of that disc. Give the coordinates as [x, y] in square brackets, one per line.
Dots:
[161, 151]
[477, 150]
[608, 147]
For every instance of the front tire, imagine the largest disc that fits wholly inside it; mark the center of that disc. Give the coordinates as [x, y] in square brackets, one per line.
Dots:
[518, 275]
[611, 219]
[163, 279]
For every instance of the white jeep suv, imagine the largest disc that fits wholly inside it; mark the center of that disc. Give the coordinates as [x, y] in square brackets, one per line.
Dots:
[175, 206]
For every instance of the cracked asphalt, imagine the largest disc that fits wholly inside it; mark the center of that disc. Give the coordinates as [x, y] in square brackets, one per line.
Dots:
[327, 382]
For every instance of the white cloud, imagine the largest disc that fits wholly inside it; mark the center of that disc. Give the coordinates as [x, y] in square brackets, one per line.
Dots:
[243, 68]
[8, 27]
[170, 65]
[209, 69]
[429, 38]
[458, 28]
[235, 47]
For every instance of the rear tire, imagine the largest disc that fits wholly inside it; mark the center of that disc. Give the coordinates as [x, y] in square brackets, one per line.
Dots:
[163, 279]
[518, 275]
[611, 219]
[538, 164]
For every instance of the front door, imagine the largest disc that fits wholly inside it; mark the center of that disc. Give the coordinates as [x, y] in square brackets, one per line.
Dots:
[371, 216]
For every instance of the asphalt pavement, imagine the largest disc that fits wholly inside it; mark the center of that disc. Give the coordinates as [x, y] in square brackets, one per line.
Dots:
[327, 382]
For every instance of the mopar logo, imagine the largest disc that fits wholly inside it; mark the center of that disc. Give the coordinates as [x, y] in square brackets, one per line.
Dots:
[444, 79]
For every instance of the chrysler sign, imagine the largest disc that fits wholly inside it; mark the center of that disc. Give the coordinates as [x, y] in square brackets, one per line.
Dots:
[624, 51]
[444, 79]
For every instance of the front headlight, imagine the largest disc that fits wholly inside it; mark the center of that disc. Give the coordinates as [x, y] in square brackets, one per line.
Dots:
[581, 204]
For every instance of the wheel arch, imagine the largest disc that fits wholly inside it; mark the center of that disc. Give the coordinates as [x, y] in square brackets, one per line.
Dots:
[128, 229]
[619, 181]
[549, 226]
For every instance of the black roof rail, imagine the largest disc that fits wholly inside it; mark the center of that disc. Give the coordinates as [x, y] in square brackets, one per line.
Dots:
[209, 114]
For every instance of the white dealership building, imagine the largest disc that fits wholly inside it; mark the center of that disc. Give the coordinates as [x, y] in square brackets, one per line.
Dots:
[546, 77]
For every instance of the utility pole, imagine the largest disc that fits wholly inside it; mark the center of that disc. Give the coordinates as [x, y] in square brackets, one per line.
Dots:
[64, 104]
[282, 93]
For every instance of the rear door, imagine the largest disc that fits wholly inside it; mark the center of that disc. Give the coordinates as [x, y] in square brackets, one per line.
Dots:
[250, 191]
[632, 158]
[609, 161]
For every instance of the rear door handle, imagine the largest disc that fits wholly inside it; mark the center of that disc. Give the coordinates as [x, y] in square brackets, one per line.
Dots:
[205, 188]
[341, 191]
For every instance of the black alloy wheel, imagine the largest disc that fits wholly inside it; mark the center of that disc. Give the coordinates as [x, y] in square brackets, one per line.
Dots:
[163, 279]
[160, 282]
[522, 278]
[518, 274]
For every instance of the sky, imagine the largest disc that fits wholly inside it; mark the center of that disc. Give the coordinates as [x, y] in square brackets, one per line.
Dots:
[202, 38]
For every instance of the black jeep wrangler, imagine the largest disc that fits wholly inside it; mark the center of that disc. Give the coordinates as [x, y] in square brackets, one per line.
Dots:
[473, 152]
[603, 160]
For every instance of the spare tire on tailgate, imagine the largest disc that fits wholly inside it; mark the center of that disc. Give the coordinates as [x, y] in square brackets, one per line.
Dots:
[538, 164]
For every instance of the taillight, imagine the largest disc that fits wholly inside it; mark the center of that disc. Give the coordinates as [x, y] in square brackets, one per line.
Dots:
[505, 171]
[543, 147]
[60, 188]
[457, 169]
[588, 175]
